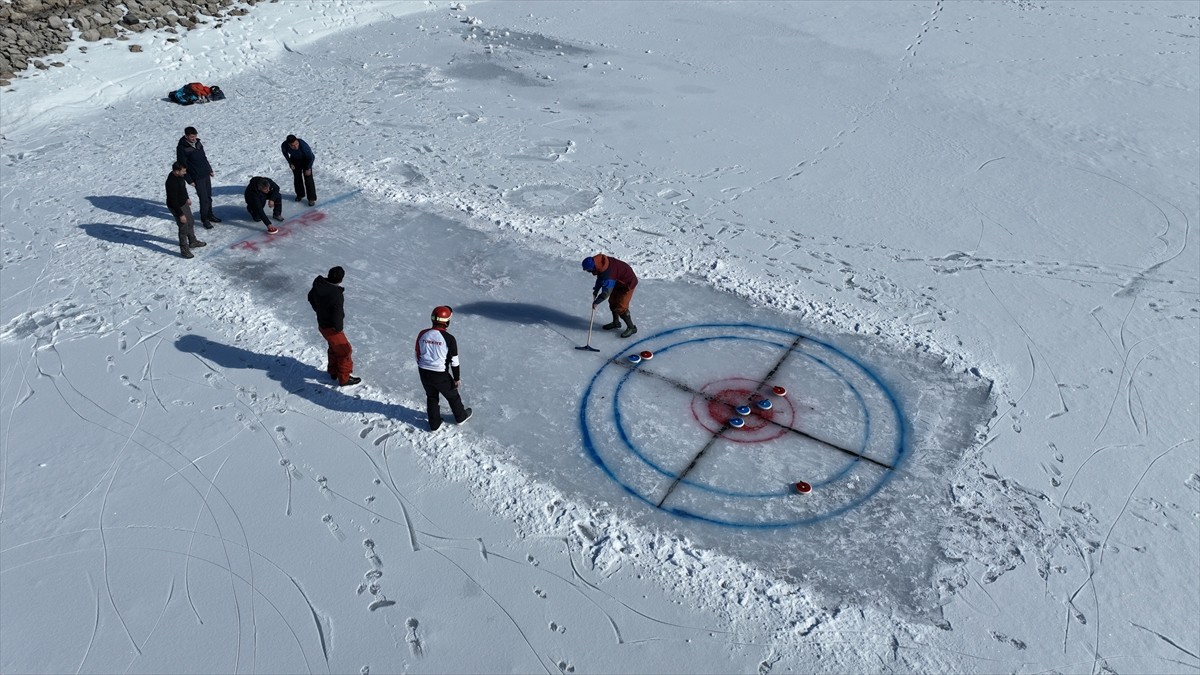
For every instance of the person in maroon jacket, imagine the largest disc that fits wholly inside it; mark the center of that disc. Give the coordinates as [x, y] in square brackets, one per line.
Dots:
[180, 205]
[615, 281]
[437, 362]
[326, 299]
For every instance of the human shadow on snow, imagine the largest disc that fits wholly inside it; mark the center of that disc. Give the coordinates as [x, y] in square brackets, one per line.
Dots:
[301, 379]
[131, 206]
[523, 312]
[139, 207]
[124, 234]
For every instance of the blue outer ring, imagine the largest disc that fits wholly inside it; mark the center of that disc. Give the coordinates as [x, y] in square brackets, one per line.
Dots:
[901, 446]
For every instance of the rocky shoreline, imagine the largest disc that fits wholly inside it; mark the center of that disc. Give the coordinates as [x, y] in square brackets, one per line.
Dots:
[35, 29]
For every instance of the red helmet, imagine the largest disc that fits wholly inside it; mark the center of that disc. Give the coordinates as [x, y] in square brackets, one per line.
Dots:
[441, 315]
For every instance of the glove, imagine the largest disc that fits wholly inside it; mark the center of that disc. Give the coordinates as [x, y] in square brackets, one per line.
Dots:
[600, 297]
[456, 382]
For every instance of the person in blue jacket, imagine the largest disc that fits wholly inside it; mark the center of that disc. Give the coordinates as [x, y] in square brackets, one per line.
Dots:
[190, 151]
[262, 192]
[300, 160]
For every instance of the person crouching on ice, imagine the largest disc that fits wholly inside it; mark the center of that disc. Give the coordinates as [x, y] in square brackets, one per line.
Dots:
[262, 192]
[615, 281]
[437, 362]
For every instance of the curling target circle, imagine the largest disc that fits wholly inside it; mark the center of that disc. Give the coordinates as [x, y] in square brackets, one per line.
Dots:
[664, 430]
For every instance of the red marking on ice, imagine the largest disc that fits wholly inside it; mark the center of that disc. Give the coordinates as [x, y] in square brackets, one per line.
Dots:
[285, 228]
[719, 405]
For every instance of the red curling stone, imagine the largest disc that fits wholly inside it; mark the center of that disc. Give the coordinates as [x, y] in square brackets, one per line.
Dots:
[802, 487]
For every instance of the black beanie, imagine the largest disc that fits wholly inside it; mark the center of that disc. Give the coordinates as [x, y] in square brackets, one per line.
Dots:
[189, 131]
[336, 274]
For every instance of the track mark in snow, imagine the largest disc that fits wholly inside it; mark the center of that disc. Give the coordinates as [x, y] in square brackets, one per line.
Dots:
[765, 666]
[551, 199]
[316, 621]
[1002, 638]
[1165, 639]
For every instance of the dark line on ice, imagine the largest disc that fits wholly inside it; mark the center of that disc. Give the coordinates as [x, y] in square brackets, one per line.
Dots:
[685, 388]
[725, 427]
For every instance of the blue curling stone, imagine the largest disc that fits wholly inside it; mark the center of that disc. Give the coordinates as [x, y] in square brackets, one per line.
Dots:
[634, 358]
[743, 410]
[737, 422]
[763, 404]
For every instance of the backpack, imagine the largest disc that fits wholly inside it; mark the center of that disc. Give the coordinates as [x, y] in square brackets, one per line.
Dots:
[195, 92]
[183, 96]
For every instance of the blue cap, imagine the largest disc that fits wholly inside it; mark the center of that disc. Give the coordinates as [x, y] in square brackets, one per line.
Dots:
[589, 264]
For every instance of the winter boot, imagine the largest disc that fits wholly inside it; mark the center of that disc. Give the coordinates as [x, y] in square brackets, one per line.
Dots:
[198, 244]
[630, 329]
[186, 254]
[616, 323]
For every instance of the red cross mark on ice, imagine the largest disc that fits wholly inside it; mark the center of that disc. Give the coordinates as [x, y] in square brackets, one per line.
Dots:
[287, 227]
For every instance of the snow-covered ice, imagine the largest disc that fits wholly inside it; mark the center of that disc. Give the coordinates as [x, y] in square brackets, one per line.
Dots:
[959, 235]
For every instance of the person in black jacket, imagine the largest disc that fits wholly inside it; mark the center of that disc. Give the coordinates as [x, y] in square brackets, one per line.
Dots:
[190, 151]
[181, 208]
[264, 192]
[300, 160]
[327, 301]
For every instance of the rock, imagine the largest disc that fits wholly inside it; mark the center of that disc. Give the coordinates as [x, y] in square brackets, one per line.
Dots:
[30, 29]
[135, 48]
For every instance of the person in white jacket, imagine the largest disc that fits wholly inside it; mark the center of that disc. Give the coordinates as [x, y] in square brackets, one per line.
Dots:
[437, 362]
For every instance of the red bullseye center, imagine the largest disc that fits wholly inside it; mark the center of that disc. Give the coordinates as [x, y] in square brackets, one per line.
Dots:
[722, 407]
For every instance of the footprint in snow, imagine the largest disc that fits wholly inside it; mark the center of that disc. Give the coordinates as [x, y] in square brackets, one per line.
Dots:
[414, 641]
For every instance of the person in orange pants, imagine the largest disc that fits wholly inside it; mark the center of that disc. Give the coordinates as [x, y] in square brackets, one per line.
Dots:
[326, 298]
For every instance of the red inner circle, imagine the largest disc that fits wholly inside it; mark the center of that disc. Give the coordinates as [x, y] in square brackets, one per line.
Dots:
[723, 406]
[719, 402]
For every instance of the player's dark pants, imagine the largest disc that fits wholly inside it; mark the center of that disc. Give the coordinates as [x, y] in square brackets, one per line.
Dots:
[203, 185]
[436, 383]
[305, 185]
[261, 215]
[187, 231]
